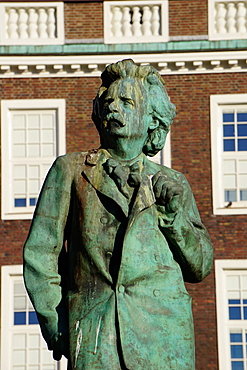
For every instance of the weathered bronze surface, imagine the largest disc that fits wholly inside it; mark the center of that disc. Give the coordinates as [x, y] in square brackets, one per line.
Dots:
[114, 237]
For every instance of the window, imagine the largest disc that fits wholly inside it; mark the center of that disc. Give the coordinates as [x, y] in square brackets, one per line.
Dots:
[231, 300]
[38, 23]
[164, 156]
[227, 19]
[22, 344]
[229, 153]
[135, 21]
[31, 140]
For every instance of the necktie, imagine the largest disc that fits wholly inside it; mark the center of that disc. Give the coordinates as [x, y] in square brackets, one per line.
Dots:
[124, 174]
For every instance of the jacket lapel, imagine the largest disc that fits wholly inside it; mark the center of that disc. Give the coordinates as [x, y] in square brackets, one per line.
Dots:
[99, 179]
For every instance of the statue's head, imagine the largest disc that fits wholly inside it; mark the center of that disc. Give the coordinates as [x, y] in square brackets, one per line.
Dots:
[143, 104]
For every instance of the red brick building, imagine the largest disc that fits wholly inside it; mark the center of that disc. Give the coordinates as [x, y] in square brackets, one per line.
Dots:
[51, 58]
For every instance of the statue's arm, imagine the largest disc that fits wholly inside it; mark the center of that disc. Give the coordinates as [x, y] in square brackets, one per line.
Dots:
[44, 245]
[180, 222]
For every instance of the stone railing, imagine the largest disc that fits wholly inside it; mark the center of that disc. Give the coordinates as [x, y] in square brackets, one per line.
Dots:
[135, 21]
[32, 23]
[227, 19]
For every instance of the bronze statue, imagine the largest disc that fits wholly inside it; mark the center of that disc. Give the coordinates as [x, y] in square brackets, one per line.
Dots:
[114, 237]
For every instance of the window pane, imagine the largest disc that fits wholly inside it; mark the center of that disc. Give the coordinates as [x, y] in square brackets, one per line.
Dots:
[237, 351]
[230, 196]
[33, 136]
[19, 288]
[243, 194]
[242, 144]
[32, 318]
[245, 313]
[234, 313]
[33, 121]
[228, 117]
[20, 172]
[234, 301]
[19, 341]
[32, 201]
[230, 182]
[19, 318]
[235, 337]
[242, 117]
[242, 166]
[19, 121]
[238, 365]
[20, 202]
[19, 303]
[229, 145]
[229, 166]
[233, 282]
[228, 130]
[242, 130]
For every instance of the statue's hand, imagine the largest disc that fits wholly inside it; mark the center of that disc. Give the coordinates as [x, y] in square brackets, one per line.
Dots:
[60, 346]
[167, 191]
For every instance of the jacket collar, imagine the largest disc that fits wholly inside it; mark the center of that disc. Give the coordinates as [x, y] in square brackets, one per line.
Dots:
[100, 180]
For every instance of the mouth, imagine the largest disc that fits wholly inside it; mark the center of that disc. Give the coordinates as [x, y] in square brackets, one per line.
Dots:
[112, 121]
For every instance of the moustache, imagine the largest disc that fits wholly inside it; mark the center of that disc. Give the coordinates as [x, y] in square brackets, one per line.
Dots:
[113, 117]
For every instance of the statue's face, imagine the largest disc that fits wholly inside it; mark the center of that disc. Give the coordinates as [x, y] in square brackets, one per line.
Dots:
[124, 111]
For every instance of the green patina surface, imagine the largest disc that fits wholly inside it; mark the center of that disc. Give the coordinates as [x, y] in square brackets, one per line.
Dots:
[114, 237]
[169, 47]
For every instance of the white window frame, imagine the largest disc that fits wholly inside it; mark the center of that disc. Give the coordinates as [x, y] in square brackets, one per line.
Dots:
[7, 275]
[164, 19]
[59, 23]
[6, 106]
[216, 102]
[223, 324]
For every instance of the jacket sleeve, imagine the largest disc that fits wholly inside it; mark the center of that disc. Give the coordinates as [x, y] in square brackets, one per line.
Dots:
[44, 245]
[188, 239]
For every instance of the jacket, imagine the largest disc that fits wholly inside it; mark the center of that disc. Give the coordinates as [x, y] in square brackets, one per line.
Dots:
[136, 311]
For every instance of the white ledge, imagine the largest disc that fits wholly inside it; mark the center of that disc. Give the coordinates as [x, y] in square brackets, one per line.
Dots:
[86, 66]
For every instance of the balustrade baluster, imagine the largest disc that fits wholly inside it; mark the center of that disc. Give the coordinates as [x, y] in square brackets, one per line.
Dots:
[51, 28]
[146, 21]
[117, 21]
[22, 23]
[12, 24]
[241, 20]
[155, 21]
[230, 18]
[126, 22]
[136, 27]
[32, 23]
[42, 25]
[220, 18]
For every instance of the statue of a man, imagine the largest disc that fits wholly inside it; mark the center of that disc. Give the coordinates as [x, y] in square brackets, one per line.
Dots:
[114, 237]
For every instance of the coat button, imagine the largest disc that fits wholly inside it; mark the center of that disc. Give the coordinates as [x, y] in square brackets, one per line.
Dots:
[156, 292]
[121, 289]
[104, 220]
[108, 254]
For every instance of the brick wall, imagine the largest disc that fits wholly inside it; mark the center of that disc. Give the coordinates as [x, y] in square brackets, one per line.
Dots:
[190, 155]
[188, 17]
[85, 20]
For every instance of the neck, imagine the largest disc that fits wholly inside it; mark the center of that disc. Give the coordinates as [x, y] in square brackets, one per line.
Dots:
[124, 149]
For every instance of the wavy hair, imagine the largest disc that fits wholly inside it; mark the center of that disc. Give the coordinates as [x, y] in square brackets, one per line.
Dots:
[160, 107]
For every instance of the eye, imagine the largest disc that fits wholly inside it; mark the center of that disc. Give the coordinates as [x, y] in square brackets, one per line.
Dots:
[127, 101]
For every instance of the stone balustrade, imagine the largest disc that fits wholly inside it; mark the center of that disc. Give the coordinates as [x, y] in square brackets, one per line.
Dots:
[229, 19]
[135, 21]
[32, 23]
